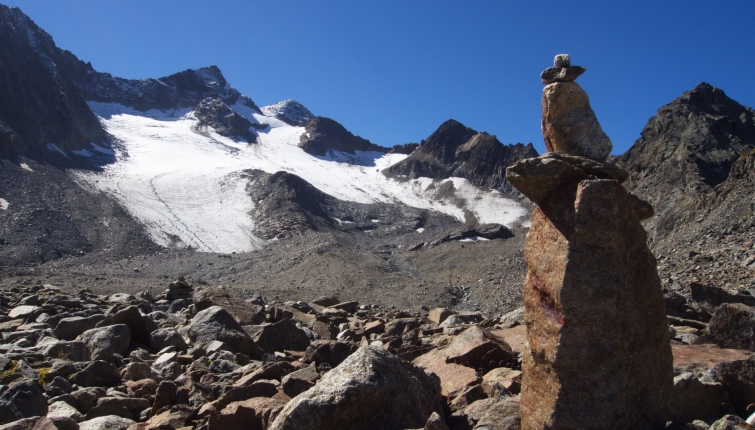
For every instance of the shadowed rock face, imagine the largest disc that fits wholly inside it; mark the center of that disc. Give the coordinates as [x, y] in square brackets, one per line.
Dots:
[684, 152]
[598, 353]
[599, 344]
[216, 114]
[456, 150]
[324, 134]
[39, 100]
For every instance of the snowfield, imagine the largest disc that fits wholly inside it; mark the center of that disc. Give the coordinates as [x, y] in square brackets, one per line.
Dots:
[189, 189]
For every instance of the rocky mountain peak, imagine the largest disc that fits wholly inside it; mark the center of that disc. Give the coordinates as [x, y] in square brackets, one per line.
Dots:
[324, 134]
[39, 100]
[457, 150]
[289, 111]
[685, 151]
[212, 112]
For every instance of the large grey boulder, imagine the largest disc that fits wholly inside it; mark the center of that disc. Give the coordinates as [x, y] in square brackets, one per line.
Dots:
[214, 323]
[70, 328]
[139, 325]
[165, 337]
[23, 399]
[280, 336]
[733, 326]
[110, 422]
[371, 389]
[693, 399]
[97, 374]
[103, 342]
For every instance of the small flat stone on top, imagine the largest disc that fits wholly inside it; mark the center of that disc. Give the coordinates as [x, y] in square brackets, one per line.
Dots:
[562, 60]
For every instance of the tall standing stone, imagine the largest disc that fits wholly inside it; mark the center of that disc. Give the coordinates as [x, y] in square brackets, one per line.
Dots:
[599, 355]
[569, 124]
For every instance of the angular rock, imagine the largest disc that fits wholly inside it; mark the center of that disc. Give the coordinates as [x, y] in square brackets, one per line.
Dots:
[299, 381]
[537, 178]
[479, 349]
[214, 323]
[23, 311]
[73, 350]
[598, 335]
[174, 418]
[103, 342]
[561, 74]
[738, 378]
[569, 123]
[435, 422]
[86, 398]
[502, 382]
[70, 328]
[733, 326]
[136, 371]
[438, 315]
[23, 399]
[97, 374]
[696, 400]
[55, 423]
[699, 358]
[280, 336]
[165, 337]
[454, 378]
[498, 414]
[371, 389]
[332, 352]
[140, 326]
[64, 410]
[110, 422]
[253, 414]
[141, 388]
[731, 422]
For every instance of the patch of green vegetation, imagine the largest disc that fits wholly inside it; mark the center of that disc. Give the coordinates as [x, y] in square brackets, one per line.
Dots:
[43, 377]
[11, 370]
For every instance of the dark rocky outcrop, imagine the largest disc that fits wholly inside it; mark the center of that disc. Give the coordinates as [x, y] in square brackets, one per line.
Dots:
[287, 205]
[177, 91]
[324, 134]
[456, 150]
[213, 112]
[684, 152]
[289, 111]
[45, 90]
[40, 101]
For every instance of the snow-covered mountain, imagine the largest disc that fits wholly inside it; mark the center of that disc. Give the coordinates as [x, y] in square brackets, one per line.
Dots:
[192, 189]
[289, 111]
[182, 154]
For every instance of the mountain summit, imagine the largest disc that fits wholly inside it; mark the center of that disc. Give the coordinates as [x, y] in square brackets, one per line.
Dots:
[459, 151]
[289, 111]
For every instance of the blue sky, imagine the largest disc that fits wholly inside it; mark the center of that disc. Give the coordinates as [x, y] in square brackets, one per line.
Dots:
[393, 71]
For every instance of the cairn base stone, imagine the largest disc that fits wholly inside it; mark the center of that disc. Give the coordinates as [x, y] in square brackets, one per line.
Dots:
[599, 355]
[569, 123]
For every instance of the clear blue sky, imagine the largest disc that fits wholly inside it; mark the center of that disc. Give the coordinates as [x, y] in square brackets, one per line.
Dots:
[393, 71]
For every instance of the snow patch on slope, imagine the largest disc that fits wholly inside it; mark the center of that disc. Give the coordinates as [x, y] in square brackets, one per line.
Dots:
[190, 189]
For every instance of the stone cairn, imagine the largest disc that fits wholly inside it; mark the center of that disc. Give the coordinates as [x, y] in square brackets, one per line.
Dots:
[179, 289]
[599, 353]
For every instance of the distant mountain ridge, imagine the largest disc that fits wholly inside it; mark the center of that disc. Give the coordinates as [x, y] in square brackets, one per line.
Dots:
[685, 151]
[43, 97]
[459, 151]
[40, 100]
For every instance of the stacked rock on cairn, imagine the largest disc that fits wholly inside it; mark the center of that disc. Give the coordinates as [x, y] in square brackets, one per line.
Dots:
[179, 289]
[599, 353]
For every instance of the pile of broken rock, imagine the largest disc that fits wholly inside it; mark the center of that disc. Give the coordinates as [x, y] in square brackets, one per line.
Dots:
[223, 359]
